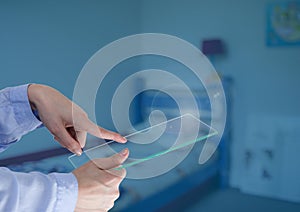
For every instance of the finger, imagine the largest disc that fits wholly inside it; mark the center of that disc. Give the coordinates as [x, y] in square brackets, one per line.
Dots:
[103, 133]
[66, 140]
[81, 138]
[113, 161]
[72, 132]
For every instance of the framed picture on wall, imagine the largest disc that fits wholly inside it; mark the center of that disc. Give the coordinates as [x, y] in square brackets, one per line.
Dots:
[283, 24]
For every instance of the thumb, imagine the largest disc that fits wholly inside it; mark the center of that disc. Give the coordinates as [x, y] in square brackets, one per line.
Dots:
[112, 161]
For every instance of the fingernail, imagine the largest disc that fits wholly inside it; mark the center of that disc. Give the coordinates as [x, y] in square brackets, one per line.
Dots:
[124, 139]
[78, 152]
[124, 152]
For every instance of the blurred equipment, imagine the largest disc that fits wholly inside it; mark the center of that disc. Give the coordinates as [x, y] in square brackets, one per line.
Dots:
[212, 47]
[271, 157]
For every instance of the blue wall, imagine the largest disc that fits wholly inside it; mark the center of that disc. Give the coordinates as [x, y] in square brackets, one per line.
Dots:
[49, 42]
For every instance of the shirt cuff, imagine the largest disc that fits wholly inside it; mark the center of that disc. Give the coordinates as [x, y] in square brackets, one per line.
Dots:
[22, 110]
[67, 191]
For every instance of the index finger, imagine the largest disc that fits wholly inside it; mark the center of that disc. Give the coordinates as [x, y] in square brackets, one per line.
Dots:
[100, 132]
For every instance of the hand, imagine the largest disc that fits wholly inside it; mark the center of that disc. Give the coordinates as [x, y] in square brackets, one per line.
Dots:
[98, 184]
[68, 123]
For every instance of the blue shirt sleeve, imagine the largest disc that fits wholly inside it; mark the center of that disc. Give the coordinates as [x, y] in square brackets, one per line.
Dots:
[56, 192]
[29, 191]
[16, 117]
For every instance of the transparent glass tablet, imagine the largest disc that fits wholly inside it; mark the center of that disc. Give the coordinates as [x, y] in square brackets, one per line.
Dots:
[158, 143]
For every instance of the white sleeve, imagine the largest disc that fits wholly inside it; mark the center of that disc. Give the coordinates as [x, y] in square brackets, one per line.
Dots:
[37, 192]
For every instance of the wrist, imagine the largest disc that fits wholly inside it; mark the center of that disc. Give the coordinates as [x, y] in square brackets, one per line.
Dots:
[33, 92]
[34, 95]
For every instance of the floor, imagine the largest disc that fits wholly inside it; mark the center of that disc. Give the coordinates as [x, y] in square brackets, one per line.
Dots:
[232, 200]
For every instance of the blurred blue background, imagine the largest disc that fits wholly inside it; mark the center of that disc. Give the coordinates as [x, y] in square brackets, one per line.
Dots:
[49, 42]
